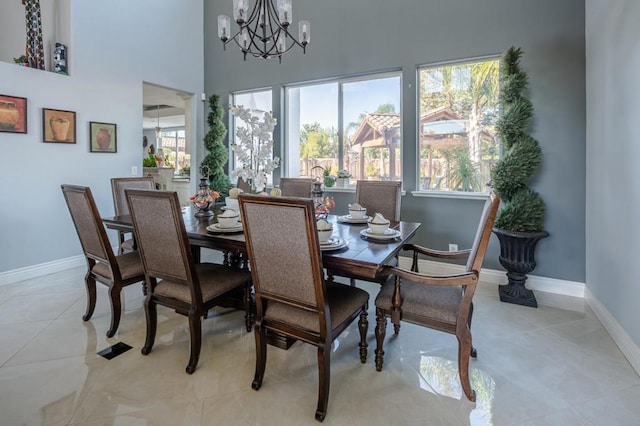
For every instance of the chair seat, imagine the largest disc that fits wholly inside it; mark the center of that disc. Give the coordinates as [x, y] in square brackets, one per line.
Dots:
[343, 301]
[129, 263]
[215, 280]
[423, 303]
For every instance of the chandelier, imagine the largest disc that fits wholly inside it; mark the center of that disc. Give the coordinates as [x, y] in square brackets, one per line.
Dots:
[265, 31]
[158, 128]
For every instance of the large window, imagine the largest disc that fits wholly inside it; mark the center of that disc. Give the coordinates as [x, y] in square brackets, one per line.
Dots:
[348, 124]
[256, 100]
[457, 125]
[173, 149]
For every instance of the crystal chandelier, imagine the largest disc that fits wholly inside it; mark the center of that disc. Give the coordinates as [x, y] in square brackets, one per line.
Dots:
[158, 128]
[265, 31]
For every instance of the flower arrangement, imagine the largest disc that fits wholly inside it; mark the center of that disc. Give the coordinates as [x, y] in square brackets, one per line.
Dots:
[343, 174]
[254, 147]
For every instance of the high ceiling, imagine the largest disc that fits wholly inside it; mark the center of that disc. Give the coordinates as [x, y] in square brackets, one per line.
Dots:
[163, 103]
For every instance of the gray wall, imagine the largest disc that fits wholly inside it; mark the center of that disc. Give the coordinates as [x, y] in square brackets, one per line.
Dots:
[362, 36]
[115, 46]
[613, 197]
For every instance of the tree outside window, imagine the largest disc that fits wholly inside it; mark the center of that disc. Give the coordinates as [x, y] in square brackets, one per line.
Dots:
[457, 125]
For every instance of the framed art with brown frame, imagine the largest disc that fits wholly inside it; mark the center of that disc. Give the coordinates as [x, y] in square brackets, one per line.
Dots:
[103, 137]
[58, 126]
[13, 114]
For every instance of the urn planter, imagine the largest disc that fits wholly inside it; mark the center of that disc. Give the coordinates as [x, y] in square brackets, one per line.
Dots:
[517, 256]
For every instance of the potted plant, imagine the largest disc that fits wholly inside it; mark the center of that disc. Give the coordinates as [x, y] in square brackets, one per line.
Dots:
[342, 178]
[329, 179]
[217, 156]
[520, 222]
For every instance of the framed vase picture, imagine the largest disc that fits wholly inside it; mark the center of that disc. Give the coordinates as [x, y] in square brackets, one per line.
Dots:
[102, 137]
[58, 126]
[13, 114]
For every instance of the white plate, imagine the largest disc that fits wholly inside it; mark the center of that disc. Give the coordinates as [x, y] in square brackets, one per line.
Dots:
[390, 234]
[334, 243]
[331, 241]
[348, 219]
[217, 229]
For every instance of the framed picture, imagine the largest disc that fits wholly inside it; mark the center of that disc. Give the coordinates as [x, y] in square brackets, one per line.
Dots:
[102, 137]
[13, 114]
[58, 126]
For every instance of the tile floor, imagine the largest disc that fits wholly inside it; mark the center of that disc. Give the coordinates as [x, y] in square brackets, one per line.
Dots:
[545, 366]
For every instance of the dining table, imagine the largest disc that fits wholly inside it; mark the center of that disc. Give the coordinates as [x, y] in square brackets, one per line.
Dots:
[359, 253]
[364, 255]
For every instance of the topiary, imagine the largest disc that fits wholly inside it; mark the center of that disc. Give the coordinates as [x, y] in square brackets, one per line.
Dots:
[217, 157]
[522, 208]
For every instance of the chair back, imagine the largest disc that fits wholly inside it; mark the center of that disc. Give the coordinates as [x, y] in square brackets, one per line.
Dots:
[296, 187]
[483, 234]
[243, 185]
[118, 185]
[384, 197]
[86, 219]
[161, 235]
[283, 250]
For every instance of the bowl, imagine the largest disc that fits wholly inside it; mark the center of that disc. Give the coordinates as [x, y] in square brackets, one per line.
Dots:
[378, 228]
[325, 230]
[324, 235]
[358, 213]
[228, 219]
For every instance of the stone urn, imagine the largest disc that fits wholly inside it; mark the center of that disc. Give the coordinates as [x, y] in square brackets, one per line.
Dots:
[103, 139]
[59, 128]
[9, 115]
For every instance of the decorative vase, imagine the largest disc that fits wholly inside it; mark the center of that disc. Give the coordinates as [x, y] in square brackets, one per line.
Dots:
[342, 182]
[517, 250]
[103, 139]
[59, 128]
[9, 115]
[329, 181]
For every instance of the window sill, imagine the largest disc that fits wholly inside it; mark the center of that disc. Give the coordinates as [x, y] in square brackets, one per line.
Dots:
[460, 195]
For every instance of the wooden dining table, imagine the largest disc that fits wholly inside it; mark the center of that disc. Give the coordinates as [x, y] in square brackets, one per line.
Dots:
[362, 257]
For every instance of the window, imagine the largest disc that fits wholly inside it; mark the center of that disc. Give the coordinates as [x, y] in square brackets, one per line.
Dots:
[255, 100]
[173, 150]
[458, 111]
[347, 124]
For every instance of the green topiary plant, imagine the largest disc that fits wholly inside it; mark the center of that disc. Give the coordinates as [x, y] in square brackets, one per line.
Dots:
[218, 154]
[519, 224]
[522, 208]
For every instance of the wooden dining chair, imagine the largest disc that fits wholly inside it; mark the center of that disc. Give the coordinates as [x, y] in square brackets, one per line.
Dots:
[384, 197]
[291, 295]
[296, 187]
[173, 279]
[118, 185]
[442, 303]
[103, 266]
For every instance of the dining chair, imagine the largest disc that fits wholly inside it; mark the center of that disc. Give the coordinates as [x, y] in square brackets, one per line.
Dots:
[172, 277]
[118, 185]
[442, 303]
[243, 185]
[384, 197]
[296, 187]
[103, 266]
[291, 295]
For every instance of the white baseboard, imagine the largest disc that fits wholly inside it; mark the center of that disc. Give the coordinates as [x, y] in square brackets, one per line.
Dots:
[630, 350]
[35, 271]
[494, 277]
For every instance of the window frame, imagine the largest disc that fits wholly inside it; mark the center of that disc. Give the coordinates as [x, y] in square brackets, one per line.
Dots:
[440, 193]
[340, 81]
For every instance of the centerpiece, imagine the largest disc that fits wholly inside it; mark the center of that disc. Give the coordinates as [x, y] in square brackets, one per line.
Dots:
[204, 200]
[254, 147]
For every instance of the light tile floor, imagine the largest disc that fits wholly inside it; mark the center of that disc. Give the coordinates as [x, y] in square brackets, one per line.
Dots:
[545, 366]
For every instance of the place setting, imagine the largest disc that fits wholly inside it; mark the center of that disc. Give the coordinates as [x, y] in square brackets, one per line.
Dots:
[378, 229]
[357, 215]
[328, 241]
[228, 223]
